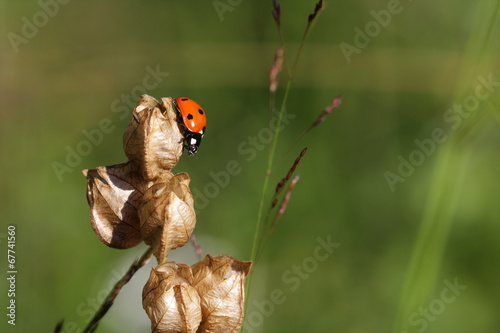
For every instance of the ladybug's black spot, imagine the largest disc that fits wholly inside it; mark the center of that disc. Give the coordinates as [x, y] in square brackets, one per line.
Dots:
[200, 111]
[190, 116]
[184, 99]
[203, 130]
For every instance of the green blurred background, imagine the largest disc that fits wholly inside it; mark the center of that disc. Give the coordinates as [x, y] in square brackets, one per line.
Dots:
[401, 246]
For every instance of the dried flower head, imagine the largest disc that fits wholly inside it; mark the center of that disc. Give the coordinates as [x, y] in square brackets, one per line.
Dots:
[317, 9]
[276, 12]
[143, 200]
[284, 202]
[114, 194]
[153, 139]
[285, 179]
[220, 282]
[167, 214]
[275, 70]
[170, 301]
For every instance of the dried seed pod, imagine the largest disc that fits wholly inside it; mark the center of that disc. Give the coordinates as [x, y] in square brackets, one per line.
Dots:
[167, 214]
[153, 138]
[114, 194]
[220, 282]
[170, 301]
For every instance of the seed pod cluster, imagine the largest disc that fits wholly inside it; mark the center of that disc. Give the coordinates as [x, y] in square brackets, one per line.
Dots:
[142, 200]
[206, 297]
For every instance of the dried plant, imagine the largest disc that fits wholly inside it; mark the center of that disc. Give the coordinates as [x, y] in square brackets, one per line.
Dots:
[142, 200]
[114, 194]
[220, 282]
[170, 300]
[167, 214]
[153, 139]
[207, 297]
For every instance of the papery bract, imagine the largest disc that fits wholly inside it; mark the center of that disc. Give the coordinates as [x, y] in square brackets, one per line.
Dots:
[114, 194]
[220, 282]
[167, 214]
[153, 138]
[170, 301]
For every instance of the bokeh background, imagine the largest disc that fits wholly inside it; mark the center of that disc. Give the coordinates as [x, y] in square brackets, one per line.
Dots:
[418, 253]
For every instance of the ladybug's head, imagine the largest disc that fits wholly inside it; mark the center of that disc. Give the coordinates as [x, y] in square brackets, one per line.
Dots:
[192, 142]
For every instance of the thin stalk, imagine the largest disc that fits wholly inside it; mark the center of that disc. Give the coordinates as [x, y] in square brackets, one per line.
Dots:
[272, 151]
[108, 302]
[270, 161]
[257, 237]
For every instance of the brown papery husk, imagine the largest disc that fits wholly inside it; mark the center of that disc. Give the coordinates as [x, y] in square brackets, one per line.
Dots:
[170, 301]
[167, 214]
[153, 138]
[114, 194]
[220, 282]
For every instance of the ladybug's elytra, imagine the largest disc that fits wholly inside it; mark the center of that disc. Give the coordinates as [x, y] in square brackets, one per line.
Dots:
[194, 121]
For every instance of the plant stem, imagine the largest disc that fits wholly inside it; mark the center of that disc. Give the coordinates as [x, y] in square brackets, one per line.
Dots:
[258, 234]
[108, 302]
[270, 161]
[272, 151]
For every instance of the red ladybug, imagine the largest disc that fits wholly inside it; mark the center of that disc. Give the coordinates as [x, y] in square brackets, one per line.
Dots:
[194, 120]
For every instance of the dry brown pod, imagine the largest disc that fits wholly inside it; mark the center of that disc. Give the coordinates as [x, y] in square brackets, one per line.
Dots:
[220, 282]
[114, 194]
[153, 139]
[167, 214]
[170, 301]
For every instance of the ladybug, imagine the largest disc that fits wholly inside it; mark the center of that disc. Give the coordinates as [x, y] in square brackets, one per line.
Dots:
[193, 119]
